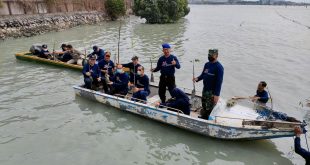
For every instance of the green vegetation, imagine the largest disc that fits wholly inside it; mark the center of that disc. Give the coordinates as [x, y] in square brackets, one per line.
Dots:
[161, 11]
[115, 8]
[1, 3]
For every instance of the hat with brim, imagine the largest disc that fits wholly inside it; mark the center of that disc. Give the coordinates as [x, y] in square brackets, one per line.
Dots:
[212, 52]
[92, 57]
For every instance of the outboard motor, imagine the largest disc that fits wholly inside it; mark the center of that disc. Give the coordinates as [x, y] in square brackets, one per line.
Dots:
[35, 49]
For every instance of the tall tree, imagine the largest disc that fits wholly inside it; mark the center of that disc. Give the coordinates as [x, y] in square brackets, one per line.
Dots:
[161, 11]
[115, 8]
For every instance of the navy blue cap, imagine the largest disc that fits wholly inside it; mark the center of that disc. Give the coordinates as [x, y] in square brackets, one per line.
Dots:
[95, 47]
[92, 57]
[44, 46]
[166, 46]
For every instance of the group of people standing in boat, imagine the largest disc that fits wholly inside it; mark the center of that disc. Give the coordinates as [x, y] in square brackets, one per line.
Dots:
[100, 70]
[116, 82]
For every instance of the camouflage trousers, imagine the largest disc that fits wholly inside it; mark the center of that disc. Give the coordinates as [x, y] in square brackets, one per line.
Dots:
[207, 104]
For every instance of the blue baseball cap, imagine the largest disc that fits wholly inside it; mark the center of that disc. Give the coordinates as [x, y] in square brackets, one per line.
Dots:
[166, 46]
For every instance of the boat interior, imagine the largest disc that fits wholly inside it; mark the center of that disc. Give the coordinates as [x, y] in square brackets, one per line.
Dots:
[229, 113]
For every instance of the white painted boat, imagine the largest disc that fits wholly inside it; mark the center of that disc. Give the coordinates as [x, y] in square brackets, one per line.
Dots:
[231, 122]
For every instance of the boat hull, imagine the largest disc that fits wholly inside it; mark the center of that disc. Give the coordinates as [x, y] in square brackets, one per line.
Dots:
[26, 56]
[205, 127]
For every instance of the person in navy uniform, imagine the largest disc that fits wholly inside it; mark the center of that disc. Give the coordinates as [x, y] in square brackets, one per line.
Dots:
[141, 86]
[98, 52]
[261, 94]
[178, 101]
[166, 64]
[107, 67]
[92, 73]
[119, 82]
[298, 149]
[133, 66]
[44, 53]
[212, 76]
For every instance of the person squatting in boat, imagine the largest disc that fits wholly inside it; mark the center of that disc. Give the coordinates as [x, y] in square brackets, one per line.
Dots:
[107, 68]
[119, 82]
[92, 73]
[260, 99]
[140, 86]
[179, 100]
[44, 53]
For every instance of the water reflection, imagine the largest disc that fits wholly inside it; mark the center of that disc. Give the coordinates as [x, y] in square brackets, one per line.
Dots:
[148, 38]
[163, 144]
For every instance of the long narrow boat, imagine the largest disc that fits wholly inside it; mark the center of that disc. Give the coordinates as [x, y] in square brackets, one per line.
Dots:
[231, 122]
[27, 56]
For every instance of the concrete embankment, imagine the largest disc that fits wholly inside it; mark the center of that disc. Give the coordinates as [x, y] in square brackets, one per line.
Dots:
[30, 25]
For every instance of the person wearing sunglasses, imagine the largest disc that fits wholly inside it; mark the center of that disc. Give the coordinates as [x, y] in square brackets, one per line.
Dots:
[212, 76]
[107, 68]
[141, 86]
[92, 73]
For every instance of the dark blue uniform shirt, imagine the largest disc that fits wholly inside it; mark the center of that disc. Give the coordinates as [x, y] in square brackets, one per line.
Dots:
[181, 101]
[104, 65]
[94, 70]
[165, 66]
[143, 82]
[212, 76]
[120, 81]
[100, 54]
[263, 96]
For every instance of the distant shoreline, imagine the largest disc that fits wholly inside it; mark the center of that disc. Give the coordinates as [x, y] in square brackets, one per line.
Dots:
[280, 3]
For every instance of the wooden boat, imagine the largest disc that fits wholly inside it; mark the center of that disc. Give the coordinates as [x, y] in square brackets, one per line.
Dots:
[27, 56]
[231, 122]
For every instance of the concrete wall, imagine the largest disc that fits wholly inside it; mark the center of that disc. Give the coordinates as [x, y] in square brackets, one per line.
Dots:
[16, 7]
[30, 25]
[4, 10]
